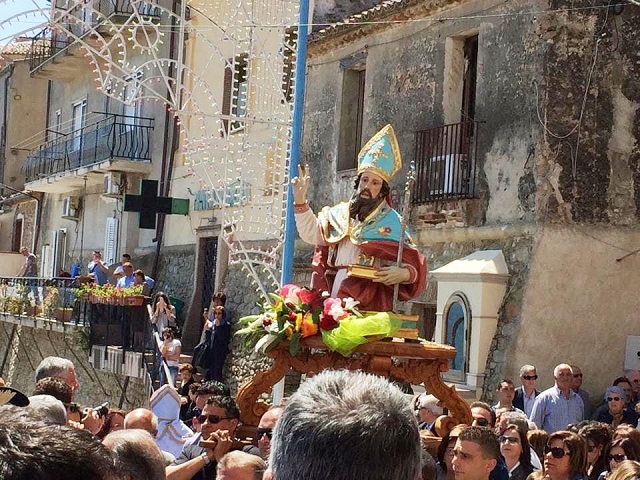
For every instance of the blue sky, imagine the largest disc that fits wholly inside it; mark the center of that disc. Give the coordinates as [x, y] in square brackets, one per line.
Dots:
[9, 8]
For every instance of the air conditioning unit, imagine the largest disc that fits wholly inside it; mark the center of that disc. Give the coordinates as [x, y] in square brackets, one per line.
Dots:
[113, 183]
[70, 207]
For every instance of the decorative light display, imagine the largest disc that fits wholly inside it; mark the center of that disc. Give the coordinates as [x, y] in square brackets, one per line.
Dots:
[225, 69]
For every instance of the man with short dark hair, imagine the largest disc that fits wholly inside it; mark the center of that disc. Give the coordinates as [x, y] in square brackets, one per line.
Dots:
[219, 420]
[136, 455]
[97, 269]
[31, 449]
[505, 392]
[346, 425]
[475, 454]
[483, 415]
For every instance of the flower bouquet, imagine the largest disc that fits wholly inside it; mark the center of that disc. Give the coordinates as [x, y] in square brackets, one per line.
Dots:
[298, 312]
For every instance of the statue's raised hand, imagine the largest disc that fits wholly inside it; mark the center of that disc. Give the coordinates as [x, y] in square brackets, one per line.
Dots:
[301, 184]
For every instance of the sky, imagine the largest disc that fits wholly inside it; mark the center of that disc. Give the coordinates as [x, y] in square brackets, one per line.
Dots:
[9, 8]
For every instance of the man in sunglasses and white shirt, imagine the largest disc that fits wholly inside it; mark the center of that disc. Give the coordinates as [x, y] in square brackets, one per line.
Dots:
[219, 420]
[527, 393]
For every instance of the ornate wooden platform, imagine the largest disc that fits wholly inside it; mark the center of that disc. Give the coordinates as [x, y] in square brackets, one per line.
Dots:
[416, 363]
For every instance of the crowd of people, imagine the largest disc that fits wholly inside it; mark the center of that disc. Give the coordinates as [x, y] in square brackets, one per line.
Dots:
[338, 425]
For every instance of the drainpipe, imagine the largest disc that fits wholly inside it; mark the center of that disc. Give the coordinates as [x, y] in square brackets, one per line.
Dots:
[168, 152]
[5, 114]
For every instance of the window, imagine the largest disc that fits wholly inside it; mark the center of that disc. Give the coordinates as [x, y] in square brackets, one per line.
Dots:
[111, 241]
[457, 331]
[132, 107]
[18, 230]
[77, 123]
[351, 117]
[235, 95]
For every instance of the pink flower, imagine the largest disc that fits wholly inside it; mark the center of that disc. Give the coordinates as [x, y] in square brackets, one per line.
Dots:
[290, 294]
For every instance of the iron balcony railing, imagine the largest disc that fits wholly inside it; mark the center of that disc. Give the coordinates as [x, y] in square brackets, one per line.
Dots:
[114, 137]
[446, 165]
[45, 45]
[126, 7]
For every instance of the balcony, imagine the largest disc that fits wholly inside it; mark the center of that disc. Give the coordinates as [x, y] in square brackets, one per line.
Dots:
[115, 143]
[446, 166]
[55, 54]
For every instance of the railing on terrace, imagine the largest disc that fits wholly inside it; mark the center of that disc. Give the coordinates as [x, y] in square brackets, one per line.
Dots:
[125, 7]
[114, 137]
[446, 165]
[45, 45]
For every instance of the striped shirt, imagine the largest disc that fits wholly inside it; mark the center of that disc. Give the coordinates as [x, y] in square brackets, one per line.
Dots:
[552, 411]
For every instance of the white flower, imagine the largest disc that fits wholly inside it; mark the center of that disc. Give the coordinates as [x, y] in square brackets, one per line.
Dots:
[350, 303]
[336, 311]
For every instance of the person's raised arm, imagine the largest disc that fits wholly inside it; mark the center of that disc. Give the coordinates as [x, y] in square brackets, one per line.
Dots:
[301, 185]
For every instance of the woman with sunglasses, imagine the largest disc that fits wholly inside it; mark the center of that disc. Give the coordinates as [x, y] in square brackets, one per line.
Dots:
[597, 435]
[616, 413]
[516, 452]
[565, 457]
[618, 451]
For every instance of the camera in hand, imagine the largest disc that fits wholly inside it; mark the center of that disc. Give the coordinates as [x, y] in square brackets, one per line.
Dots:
[102, 410]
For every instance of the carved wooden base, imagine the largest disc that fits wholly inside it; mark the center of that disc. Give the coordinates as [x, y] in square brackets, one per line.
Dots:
[416, 363]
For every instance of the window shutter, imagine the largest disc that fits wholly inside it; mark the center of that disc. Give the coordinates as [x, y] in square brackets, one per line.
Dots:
[226, 95]
[111, 241]
[46, 266]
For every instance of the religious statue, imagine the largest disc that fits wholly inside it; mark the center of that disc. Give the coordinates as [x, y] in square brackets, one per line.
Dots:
[357, 241]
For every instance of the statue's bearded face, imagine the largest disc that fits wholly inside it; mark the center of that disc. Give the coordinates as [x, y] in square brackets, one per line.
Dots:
[366, 197]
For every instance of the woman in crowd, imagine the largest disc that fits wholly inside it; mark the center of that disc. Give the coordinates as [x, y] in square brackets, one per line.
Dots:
[597, 435]
[164, 314]
[186, 372]
[627, 470]
[219, 336]
[516, 452]
[113, 421]
[616, 413]
[626, 431]
[537, 440]
[170, 351]
[445, 454]
[618, 451]
[565, 457]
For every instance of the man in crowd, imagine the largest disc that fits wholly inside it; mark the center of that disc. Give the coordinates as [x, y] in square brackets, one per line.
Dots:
[327, 417]
[30, 265]
[118, 272]
[505, 393]
[136, 455]
[264, 433]
[218, 422]
[144, 419]
[364, 231]
[58, 367]
[240, 466]
[475, 454]
[129, 278]
[483, 415]
[527, 393]
[558, 406]
[97, 268]
[634, 379]
[31, 449]
[429, 409]
[576, 386]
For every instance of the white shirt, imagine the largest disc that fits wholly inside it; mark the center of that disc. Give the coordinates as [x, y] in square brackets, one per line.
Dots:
[528, 401]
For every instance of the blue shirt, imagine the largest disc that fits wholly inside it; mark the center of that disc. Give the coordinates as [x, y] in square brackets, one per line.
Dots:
[125, 282]
[98, 274]
[552, 411]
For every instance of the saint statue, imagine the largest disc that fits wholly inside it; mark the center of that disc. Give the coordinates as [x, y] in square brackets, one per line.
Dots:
[357, 241]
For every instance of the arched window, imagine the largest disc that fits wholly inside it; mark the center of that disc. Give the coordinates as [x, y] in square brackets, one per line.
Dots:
[457, 331]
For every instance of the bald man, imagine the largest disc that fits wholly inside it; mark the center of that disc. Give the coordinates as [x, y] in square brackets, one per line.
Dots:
[145, 419]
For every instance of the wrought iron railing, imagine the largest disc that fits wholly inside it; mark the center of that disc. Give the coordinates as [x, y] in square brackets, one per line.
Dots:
[125, 7]
[114, 137]
[446, 165]
[45, 45]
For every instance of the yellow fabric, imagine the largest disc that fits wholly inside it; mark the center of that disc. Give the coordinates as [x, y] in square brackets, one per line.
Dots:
[352, 331]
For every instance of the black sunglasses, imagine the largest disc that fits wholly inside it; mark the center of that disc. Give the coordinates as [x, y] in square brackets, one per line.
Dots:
[556, 452]
[617, 458]
[530, 377]
[577, 375]
[481, 422]
[611, 399]
[212, 418]
[264, 431]
[511, 440]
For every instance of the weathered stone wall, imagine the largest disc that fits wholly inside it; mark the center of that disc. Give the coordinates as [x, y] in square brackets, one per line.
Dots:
[176, 272]
[29, 346]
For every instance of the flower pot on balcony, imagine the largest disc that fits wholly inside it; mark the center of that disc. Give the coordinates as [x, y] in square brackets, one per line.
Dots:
[63, 314]
[134, 300]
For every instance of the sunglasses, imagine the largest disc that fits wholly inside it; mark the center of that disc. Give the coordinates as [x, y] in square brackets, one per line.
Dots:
[611, 399]
[511, 440]
[212, 419]
[556, 452]
[530, 377]
[264, 431]
[577, 375]
[481, 422]
[616, 458]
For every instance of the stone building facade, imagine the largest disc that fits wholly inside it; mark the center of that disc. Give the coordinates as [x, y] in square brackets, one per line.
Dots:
[551, 92]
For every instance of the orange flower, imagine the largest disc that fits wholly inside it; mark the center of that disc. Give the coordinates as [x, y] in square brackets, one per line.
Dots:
[308, 327]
